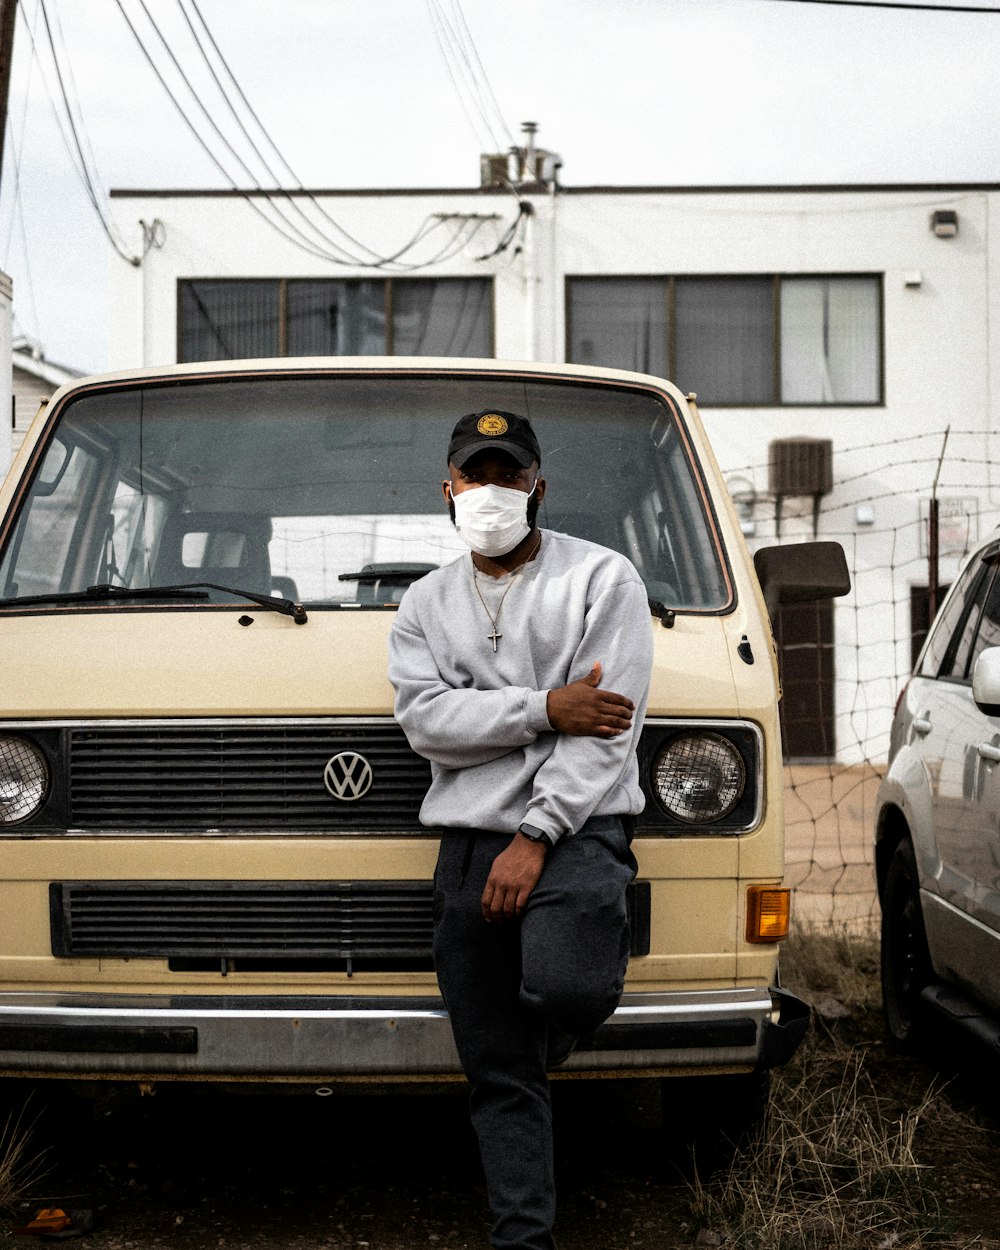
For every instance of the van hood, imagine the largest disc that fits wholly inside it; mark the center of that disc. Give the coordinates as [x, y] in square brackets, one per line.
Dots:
[205, 663]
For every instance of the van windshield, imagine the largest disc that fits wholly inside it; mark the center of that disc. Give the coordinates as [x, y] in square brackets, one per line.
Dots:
[327, 489]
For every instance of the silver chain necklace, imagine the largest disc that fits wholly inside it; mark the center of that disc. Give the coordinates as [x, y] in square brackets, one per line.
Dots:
[495, 616]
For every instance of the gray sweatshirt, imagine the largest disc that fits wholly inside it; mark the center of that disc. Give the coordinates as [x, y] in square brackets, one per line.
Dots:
[479, 716]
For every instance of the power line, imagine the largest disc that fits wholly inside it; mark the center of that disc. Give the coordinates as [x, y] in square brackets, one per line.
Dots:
[90, 177]
[393, 261]
[309, 244]
[81, 168]
[17, 224]
[17, 145]
[471, 45]
[440, 37]
[466, 70]
[893, 4]
[519, 222]
[328, 250]
[203, 144]
[259, 124]
[71, 79]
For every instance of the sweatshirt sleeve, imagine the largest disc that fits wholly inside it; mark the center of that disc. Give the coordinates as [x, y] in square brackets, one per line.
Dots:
[456, 727]
[580, 771]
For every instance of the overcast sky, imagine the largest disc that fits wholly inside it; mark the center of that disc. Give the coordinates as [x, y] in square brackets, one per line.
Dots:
[357, 93]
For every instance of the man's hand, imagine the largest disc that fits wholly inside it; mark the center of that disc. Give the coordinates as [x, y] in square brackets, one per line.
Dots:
[582, 709]
[514, 875]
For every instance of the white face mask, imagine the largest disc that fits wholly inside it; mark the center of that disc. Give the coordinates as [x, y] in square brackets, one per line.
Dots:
[492, 519]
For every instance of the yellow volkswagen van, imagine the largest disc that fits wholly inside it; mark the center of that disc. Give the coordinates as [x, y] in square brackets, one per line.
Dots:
[212, 863]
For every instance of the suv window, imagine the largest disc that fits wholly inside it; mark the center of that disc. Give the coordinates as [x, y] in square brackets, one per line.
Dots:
[988, 634]
[951, 637]
[956, 660]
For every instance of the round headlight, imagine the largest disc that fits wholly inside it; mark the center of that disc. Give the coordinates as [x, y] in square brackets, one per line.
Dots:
[699, 777]
[24, 779]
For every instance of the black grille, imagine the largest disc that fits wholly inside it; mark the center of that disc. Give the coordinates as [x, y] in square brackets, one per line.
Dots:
[371, 920]
[236, 777]
[378, 923]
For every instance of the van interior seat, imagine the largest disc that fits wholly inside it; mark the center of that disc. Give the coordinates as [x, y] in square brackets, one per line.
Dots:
[230, 548]
[594, 527]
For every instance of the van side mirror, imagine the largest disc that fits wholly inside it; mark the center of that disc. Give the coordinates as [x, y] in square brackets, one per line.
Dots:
[986, 681]
[800, 573]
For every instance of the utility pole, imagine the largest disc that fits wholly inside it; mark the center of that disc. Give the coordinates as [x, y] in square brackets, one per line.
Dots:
[8, 12]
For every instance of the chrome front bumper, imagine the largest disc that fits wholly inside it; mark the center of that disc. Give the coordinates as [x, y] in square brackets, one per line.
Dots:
[329, 1039]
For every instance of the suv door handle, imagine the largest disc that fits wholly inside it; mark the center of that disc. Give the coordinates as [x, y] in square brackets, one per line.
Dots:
[921, 725]
[989, 752]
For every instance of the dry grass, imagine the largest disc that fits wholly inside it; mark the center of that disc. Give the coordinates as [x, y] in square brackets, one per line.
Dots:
[839, 961]
[843, 1158]
[831, 1168]
[19, 1165]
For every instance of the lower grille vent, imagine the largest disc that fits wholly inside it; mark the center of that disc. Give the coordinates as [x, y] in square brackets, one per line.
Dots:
[264, 926]
[286, 920]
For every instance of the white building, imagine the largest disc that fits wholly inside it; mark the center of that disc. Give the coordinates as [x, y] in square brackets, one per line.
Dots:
[34, 380]
[6, 401]
[860, 315]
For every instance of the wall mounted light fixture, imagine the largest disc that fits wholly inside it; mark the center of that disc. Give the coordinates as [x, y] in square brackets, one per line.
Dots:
[944, 223]
[744, 496]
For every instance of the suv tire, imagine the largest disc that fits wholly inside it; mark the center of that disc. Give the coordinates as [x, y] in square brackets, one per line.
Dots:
[906, 962]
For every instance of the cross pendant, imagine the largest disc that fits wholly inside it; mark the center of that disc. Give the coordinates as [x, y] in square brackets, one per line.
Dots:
[494, 636]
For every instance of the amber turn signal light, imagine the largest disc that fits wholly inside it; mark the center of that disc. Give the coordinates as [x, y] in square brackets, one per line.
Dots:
[768, 911]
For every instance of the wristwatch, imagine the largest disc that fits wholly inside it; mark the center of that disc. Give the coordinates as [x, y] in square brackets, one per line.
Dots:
[535, 835]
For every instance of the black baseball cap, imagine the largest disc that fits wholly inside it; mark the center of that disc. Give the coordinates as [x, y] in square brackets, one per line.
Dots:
[493, 430]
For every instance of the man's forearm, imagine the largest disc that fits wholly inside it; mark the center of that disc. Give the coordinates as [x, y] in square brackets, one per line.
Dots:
[462, 728]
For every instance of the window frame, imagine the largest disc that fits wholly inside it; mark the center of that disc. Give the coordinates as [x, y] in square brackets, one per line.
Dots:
[976, 648]
[670, 281]
[958, 657]
[978, 573]
[283, 283]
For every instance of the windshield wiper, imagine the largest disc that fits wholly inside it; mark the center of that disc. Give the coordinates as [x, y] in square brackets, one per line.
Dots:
[666, 616]
[187, 590]
[397, 574]
[105, 591]
[276, 604]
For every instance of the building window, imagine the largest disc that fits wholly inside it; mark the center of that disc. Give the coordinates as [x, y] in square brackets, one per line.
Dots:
[724, 338]
[743, 340]
[831, 340]
[238, 319]
[228, 320]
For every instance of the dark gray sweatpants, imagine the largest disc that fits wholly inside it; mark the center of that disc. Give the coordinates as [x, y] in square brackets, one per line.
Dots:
[503, 984]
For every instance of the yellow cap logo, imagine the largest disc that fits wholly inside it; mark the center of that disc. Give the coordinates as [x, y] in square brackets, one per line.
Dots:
[491, 423]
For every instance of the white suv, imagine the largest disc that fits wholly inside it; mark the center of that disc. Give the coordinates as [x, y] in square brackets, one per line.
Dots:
[937, 850]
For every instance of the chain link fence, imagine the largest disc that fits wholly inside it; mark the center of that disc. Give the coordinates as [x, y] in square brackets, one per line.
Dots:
[907, 512]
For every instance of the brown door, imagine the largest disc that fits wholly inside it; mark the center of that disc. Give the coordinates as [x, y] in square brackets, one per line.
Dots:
[920, 617]
[804, 634]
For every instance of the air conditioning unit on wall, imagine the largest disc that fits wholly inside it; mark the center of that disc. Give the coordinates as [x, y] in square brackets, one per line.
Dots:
[798, 467]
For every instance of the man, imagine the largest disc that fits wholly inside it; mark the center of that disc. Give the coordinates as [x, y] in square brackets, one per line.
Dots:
[499, 662]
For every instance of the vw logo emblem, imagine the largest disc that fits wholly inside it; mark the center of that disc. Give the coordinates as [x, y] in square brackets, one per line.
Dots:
[348, 776]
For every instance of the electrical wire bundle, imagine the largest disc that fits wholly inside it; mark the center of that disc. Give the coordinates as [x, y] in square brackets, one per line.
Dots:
[237, 143]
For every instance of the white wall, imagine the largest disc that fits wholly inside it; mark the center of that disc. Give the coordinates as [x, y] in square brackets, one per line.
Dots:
[6, 377]
[941, 348]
